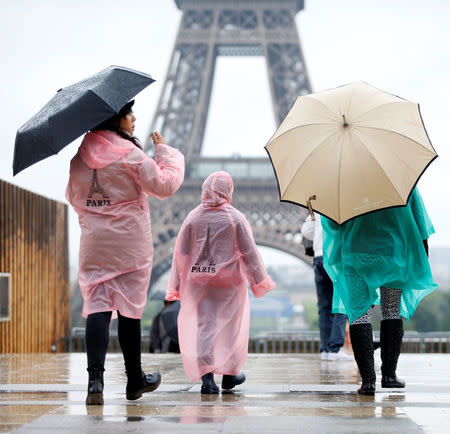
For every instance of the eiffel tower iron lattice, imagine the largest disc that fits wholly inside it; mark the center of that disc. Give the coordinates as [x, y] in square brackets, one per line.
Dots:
[205, 254]
[96, 187]
[208, 29]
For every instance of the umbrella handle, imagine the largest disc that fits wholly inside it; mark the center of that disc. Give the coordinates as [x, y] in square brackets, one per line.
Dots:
[308, 202]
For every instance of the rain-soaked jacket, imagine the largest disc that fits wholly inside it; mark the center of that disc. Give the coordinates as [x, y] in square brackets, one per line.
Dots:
[110, 179]
[382, 248]
[215, 256]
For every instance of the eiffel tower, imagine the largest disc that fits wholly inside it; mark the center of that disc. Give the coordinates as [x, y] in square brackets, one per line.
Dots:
[208, 29]
[96, 187]
[205, 254]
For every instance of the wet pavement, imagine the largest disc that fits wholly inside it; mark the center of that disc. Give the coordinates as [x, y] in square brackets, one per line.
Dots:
[283, 393]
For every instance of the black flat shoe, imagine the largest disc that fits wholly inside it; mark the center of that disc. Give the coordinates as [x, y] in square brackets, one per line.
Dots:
[148, 383]
[392, 382]
[367, 388]
[209, 386]
[230, 381]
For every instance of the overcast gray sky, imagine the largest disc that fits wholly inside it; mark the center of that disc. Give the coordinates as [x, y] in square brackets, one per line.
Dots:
[401, 46]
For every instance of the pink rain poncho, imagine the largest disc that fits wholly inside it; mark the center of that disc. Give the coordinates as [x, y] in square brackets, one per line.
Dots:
[110, 179]
[215, 256]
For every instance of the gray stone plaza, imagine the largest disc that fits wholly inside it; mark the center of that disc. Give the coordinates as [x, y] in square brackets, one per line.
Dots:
[283, 393]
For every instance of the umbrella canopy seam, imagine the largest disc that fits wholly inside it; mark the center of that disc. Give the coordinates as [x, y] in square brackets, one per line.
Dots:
[381, 167]
[403, 101]
[296, 127]
[101, 99]
[349, 103]
[339, 181]
[305, 159]
[402, 135]
[311, 96]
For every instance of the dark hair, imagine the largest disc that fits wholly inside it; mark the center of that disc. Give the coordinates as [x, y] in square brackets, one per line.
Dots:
[113, 124]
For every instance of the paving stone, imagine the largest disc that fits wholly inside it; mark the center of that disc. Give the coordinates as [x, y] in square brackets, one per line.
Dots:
[45, 393]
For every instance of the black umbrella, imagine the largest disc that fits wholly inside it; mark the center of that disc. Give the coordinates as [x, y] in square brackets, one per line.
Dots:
[73, 111]
[169, 318]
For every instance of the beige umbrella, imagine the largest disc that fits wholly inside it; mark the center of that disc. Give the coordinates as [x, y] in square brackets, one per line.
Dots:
[355, 148]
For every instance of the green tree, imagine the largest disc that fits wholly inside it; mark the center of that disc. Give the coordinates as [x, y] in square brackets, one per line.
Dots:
[311, 314]
[433, 313]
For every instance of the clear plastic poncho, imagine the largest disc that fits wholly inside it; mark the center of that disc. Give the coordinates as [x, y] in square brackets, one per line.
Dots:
[383, 248]
[110, 181]
[215, 256]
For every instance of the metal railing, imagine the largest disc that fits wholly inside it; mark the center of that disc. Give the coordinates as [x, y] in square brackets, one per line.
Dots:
[76, 342]
[284, 342]
[309, 342]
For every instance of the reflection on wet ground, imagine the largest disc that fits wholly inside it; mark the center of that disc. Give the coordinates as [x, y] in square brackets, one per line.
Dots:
[283, 393]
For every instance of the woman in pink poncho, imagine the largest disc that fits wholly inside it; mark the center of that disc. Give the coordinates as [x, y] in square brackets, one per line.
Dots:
[214, 258]
[110, 181]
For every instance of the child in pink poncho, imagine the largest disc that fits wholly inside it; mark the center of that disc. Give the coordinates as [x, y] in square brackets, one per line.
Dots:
[215, 256]
[110, 181]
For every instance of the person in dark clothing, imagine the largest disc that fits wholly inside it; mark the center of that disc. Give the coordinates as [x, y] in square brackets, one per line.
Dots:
[331, 326]
[160, 340]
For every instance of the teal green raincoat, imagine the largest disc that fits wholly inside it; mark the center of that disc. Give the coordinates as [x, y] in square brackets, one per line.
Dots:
[383, 248]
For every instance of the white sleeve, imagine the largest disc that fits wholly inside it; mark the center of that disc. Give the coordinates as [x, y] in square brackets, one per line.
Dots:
[308, 229]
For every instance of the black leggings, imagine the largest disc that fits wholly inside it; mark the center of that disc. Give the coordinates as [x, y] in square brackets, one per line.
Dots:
[97, 336]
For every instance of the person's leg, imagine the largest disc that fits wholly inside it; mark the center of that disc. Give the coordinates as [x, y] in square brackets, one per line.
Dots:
[205, 344]
[229, 381]
[337, 337]
[324, 289]
[97, 336]
[391, 335]
[129, 331]
[362, 342]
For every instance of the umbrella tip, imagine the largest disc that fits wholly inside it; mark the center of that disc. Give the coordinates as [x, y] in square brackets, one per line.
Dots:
[59, 90]
[345, 124]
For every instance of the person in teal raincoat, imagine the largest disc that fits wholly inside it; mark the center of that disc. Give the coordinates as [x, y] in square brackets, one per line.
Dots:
[379, 258]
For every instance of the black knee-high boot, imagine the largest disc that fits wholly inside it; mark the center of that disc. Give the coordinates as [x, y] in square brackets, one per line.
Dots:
[97, 336]
[95, 387]
[362, 343]
[391, 335]
[130, 342]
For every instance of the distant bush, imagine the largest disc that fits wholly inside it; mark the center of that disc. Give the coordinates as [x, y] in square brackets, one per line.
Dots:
[311, 314]
[152, 308]
[432, 314]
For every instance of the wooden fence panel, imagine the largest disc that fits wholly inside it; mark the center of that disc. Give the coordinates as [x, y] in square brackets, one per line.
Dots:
[34, 250]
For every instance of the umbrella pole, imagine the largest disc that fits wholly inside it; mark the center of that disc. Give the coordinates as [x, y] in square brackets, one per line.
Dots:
[308, 202]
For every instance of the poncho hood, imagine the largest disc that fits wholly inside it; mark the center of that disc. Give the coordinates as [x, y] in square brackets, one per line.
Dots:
[102, 148]
[217, 189]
